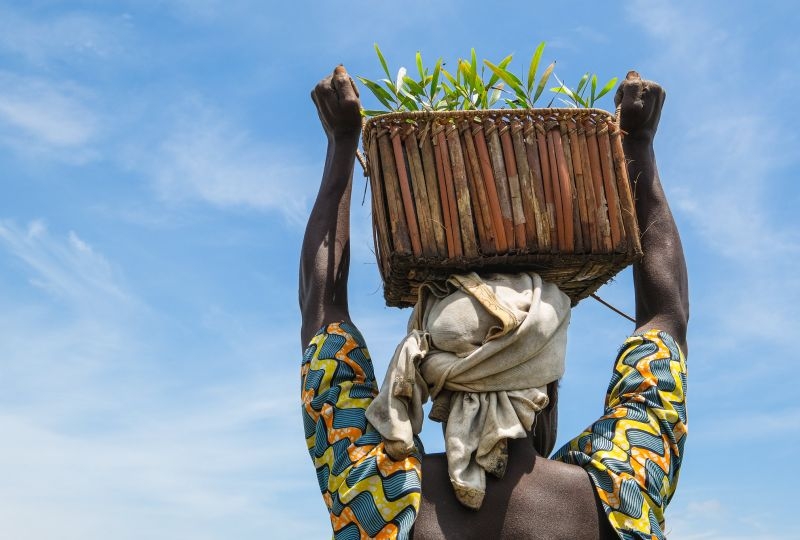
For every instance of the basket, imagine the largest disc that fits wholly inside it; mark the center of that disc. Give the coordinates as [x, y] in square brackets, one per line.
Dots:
[544, 190]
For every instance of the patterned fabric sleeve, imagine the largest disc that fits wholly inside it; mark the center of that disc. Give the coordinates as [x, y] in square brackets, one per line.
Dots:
[368, 495]
[633, 452]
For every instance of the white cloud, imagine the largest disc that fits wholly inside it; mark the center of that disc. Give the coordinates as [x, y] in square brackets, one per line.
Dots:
[724, 167]
[716, 518]
[39, 117]
[67, 268]
[726, 170]
[102, 408]
[223, 465]
[65, 37]
[206, 157]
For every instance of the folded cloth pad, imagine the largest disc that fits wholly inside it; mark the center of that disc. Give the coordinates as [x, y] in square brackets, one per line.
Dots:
[484, 349]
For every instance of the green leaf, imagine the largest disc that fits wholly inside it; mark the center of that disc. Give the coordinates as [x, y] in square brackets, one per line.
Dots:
[592, 97]
[607, 88]
[474, 68]
[371, 112]
[420, 68]
[509, 78]
[582, 83]
[414, 86]
[503, 63]
[543, 82]
[465, 68]
[383, 61]
[564, 89]
[450, 77]
[409, 103]
[386, 99]
[435, 77]
[537, 55]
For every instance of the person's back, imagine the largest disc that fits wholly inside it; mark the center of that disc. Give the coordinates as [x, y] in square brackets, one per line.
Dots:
[613, 480]
[537, 498]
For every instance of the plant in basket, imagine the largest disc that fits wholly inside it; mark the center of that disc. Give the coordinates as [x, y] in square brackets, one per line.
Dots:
[460, 185]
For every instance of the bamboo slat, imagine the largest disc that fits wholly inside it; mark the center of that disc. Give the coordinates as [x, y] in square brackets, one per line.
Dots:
[379, 210]
[426, 225]
[500, 179]
[397, 218]
[576, 195]
[580, 149]
[624, 188]
[405, 192]
[565, 189]
[491, 188]
[540, 205]
[465, 219]
[480, 206]
[610, 183]
[444, 199]
[606, 226]
[432, 183]
[452, 201]
[569, 138]
[517, 212]
[555, 179]
[527, 194]
[547, 183]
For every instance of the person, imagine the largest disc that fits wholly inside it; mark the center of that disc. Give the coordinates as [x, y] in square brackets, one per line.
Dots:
[612, 481]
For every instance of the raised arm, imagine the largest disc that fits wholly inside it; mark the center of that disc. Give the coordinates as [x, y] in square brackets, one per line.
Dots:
[660, 278]
[325, 255]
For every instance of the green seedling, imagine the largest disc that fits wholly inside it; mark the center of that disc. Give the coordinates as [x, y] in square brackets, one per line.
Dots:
[468, 88]
[578, 97]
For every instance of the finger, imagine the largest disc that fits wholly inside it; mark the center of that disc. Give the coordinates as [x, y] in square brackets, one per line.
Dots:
[343, 85]
[629, 90]
[324, 88]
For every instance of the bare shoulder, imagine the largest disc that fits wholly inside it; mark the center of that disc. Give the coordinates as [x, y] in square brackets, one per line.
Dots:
[540, 499]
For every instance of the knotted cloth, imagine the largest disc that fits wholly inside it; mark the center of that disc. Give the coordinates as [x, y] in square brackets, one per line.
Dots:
[484, 349]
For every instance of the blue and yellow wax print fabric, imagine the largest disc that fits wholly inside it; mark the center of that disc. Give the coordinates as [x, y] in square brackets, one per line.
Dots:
[633, 452]
[367, 494]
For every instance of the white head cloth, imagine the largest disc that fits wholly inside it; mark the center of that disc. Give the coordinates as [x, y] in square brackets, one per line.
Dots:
[484, 349]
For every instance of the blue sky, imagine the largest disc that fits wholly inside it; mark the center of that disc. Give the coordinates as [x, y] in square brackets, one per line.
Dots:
[158, 160]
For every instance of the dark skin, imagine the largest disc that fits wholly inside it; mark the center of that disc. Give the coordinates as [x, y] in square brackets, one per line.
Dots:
[537, 498]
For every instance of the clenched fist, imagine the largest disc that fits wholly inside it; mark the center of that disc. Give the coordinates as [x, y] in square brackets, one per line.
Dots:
[339, 108]
[641, 102]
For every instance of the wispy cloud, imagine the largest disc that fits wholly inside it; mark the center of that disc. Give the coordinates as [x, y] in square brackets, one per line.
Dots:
[39, 117]
[723, 165]
[726, 173]
[99, 412]
[715, 518]
[66, 37]
[207, 157]
[66, 267]
[220, 465]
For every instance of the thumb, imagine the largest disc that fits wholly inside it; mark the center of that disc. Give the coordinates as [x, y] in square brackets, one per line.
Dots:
[632, 82]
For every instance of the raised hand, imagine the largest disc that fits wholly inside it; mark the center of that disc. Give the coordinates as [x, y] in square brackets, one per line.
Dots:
[641, 102]
[325, 256]
[339, 108]
[660, 278]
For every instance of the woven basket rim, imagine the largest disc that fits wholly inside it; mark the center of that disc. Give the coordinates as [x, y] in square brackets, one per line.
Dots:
[542, 112]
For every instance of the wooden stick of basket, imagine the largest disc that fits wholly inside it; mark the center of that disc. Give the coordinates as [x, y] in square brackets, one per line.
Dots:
[499, 191]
